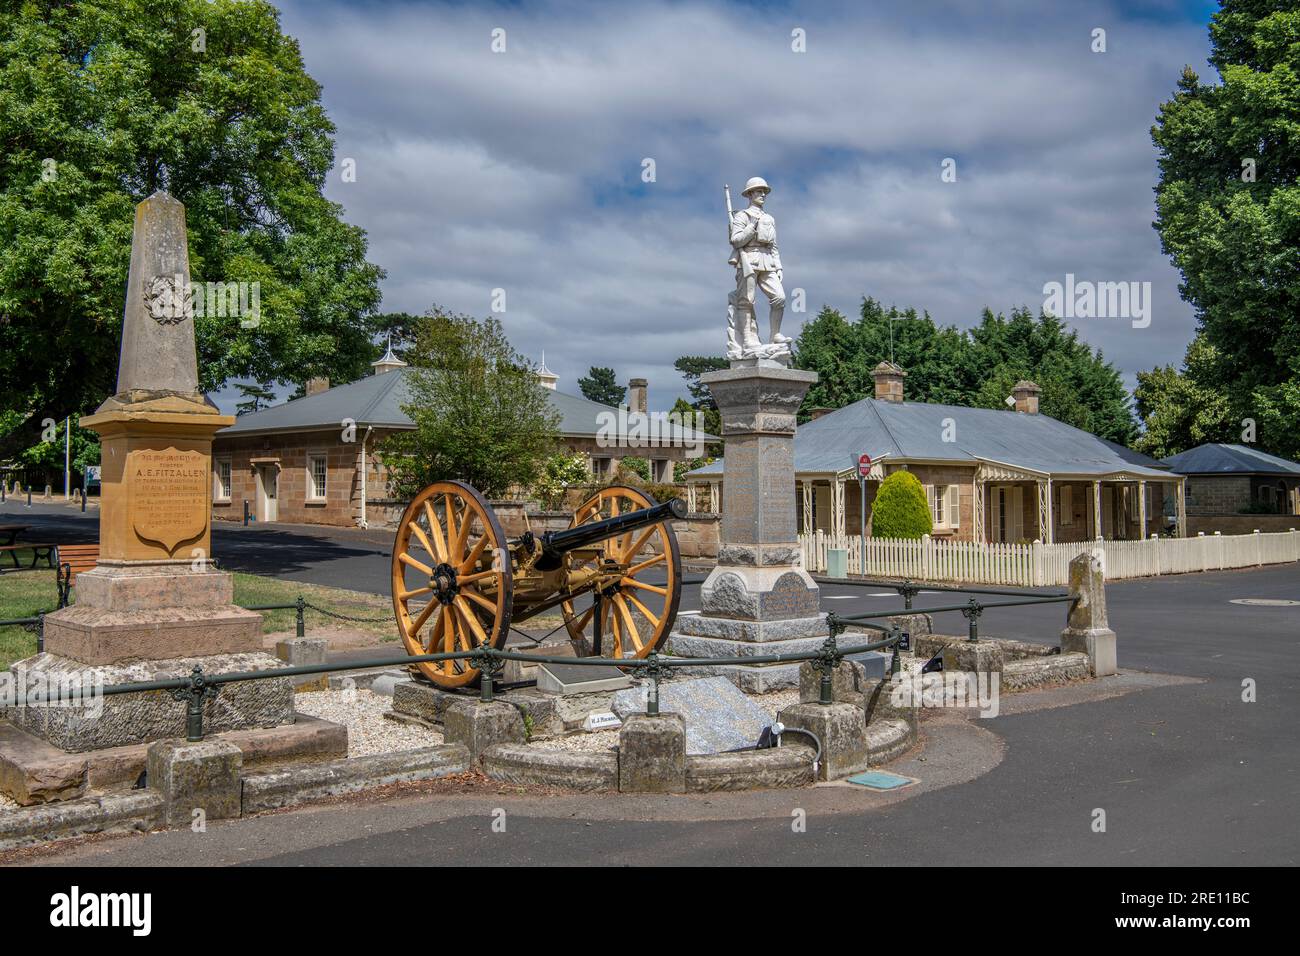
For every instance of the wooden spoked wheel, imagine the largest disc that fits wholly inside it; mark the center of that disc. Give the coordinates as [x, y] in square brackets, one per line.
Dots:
[639, 603]
[452, 584]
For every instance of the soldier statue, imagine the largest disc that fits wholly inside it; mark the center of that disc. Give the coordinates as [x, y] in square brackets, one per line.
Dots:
[758, 266]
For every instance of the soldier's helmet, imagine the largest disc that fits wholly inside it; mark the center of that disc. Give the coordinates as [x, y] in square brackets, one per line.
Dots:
[758, 182]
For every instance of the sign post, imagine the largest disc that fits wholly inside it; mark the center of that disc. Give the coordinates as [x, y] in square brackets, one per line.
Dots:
[864, 468]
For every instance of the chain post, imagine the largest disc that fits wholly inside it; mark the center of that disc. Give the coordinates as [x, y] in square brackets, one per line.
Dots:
[301, 622]
[489, 667]
[972, 613]
[654, 669]
[829, 658]
[895, 663]
[909, 591]
[652, 703]
[194, 695]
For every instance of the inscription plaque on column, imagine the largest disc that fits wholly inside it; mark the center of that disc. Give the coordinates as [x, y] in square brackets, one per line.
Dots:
[167, 494]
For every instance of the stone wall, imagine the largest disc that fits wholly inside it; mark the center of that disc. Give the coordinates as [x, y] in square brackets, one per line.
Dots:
[1217, 494]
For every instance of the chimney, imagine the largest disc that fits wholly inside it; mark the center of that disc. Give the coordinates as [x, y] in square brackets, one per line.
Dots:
[317, 385]
[1026, 395]
[817, 413]
[636, 395]
[889, 382]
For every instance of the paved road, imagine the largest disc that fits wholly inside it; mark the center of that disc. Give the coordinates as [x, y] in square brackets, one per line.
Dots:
[1185, 771]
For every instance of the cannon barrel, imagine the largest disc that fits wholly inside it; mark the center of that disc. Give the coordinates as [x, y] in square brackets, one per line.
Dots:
[556, 543]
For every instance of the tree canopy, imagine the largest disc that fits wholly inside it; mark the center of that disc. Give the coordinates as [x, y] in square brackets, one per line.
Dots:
[102, 104]
[480, 413]
[977, 367]
[1228, 215]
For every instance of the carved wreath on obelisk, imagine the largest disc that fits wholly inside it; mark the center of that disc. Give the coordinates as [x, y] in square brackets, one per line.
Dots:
[168, 299]
[752, 233]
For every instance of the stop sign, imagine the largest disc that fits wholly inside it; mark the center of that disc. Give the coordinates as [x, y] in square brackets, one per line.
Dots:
[864, 465]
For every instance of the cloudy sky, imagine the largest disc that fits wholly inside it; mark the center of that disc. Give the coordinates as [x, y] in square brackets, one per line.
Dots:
[522, 170]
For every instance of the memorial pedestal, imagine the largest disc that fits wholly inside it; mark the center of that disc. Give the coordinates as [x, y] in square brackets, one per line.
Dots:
[758, 600]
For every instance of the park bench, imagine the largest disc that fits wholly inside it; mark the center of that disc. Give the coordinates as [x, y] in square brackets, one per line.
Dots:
[73, 559]
[39, 549]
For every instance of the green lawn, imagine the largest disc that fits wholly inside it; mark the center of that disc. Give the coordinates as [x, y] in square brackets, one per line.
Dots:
[24, 593]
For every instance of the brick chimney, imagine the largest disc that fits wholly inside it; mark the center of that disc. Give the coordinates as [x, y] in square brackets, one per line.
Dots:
[317, 385]
[889, 382]
[1026, 395]
[636, 395]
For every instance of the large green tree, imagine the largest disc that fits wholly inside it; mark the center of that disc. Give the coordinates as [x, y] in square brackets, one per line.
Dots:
[480, 413]
[101, 104]
[1228, 215]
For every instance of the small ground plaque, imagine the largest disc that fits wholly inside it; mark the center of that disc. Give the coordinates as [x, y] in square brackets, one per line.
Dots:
[577, 679]
[881, 780]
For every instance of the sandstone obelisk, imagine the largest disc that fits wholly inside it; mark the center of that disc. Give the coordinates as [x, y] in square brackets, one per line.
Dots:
[155, 605]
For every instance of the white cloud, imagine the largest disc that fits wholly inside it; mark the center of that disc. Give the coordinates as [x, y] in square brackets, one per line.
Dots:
[521, 170]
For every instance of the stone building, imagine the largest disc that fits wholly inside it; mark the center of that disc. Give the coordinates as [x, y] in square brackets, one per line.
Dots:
[989, 474]
[313, 461]
[1227, 481]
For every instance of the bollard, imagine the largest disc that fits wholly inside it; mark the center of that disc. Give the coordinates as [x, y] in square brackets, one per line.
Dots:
[83, 499]
[895, 663]
[40, 633]
[245, 512]
[301, 623]
[29, 494]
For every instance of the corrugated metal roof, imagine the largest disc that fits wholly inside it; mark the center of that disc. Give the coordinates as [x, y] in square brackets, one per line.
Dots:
[1220, 459]
[915, 431]
[377, 400]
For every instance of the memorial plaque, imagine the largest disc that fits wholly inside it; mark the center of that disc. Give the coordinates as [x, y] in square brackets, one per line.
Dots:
[168, 494]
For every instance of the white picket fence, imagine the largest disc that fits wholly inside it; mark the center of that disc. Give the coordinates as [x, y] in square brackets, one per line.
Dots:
[1038, 565]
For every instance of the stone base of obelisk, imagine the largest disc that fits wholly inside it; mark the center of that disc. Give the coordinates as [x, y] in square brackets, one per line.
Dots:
[128, 613]
[97, 722]
[144, 622]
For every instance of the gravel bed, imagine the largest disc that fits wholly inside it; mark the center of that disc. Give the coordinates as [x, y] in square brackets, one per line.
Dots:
[369, 731]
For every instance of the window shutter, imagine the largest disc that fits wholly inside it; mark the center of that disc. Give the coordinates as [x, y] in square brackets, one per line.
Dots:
[954, 507]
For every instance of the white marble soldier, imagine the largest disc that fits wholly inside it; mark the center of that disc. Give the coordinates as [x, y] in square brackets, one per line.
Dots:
[758, 266]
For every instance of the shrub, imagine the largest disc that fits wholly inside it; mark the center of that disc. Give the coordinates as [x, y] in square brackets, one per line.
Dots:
[560, 472]
[900, 510]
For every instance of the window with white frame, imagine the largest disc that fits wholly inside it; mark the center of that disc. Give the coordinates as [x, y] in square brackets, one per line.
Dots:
[316, 472]
[945, 509]
[221, 468]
